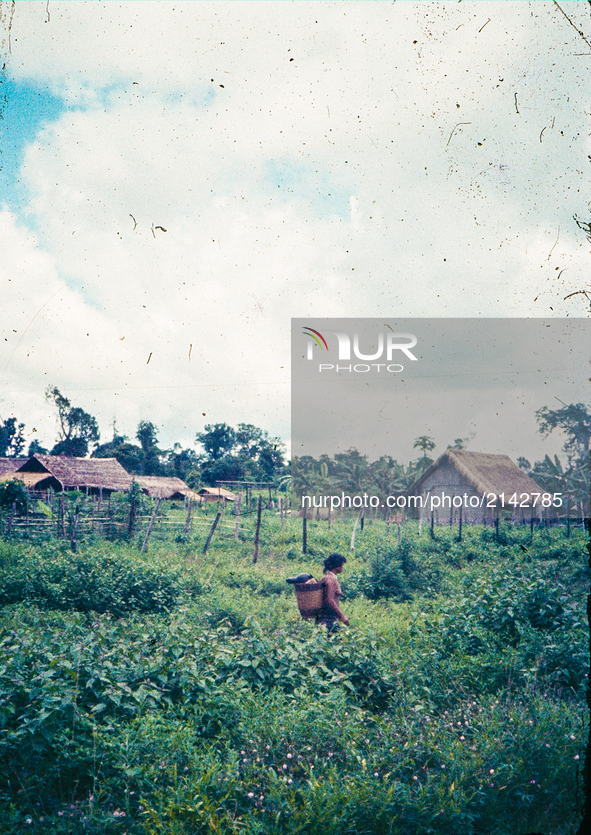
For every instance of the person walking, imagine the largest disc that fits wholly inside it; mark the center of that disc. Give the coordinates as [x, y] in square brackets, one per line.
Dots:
[330, 614]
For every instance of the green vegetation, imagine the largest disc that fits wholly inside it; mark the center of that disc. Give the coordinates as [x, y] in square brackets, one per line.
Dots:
[176, 693]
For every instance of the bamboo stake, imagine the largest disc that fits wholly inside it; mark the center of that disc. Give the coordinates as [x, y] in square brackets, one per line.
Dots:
[212, 531]
[237, 515]
[73, 542]
[11, 519]
[282, 515]
[62, 516]
[258, 529]
[151, 525]
[188, 521]
[354, 530]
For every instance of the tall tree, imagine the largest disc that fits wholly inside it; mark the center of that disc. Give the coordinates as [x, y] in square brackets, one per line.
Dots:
[36, 447]
[77, 428]
[416, 468]
[353, 471]
[181, 462]
[12, 439]
[217, 440]
[130, 456]
[243, 454]
[146, 435]
[574, 421]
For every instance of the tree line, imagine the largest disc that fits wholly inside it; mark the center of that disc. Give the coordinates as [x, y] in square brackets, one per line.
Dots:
[353, 473]
[248, 453]
[244, 453]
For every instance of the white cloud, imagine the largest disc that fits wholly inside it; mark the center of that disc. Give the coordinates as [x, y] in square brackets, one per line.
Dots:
[341, 169]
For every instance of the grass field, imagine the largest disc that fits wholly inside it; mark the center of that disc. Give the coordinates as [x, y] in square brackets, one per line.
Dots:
[171, 693]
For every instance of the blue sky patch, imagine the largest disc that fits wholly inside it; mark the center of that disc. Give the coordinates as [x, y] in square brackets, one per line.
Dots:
[23, 111]
[300, 183]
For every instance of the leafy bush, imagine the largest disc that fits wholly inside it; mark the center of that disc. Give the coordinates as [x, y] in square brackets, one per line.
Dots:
[13, 492]
[384, 576]
[460, 711]
[94, 581]
[156, 726]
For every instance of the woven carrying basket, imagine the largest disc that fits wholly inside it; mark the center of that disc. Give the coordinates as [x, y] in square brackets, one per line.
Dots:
[310, 597]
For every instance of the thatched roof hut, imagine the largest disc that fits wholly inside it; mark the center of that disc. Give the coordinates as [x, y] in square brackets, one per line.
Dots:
[215, 494]
[92, 475]
[10, 465]
[34, 481]
[487, 484]
[160, 487]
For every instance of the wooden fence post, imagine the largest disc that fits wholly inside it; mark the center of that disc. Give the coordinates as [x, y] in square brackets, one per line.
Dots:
[212, 531]
[460, 526]
[132, 514]
[282, 515]
[151, 525]
[258, 529]
[237, 515]
[61, 518]
[188, 520]
[73, 542]
[352, 548]
[11, 519]
[304, 533]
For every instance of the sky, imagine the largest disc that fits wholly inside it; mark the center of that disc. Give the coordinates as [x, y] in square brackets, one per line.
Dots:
[180, 179]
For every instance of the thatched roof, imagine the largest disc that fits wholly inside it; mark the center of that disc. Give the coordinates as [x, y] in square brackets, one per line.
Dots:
[34, 481]
[10, 465]
[72, 473]
[487, 473]
[159, 487]
[212, 493]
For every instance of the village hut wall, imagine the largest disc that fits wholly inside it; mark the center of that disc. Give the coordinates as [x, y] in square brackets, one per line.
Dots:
[93, 476]
[484, 482]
